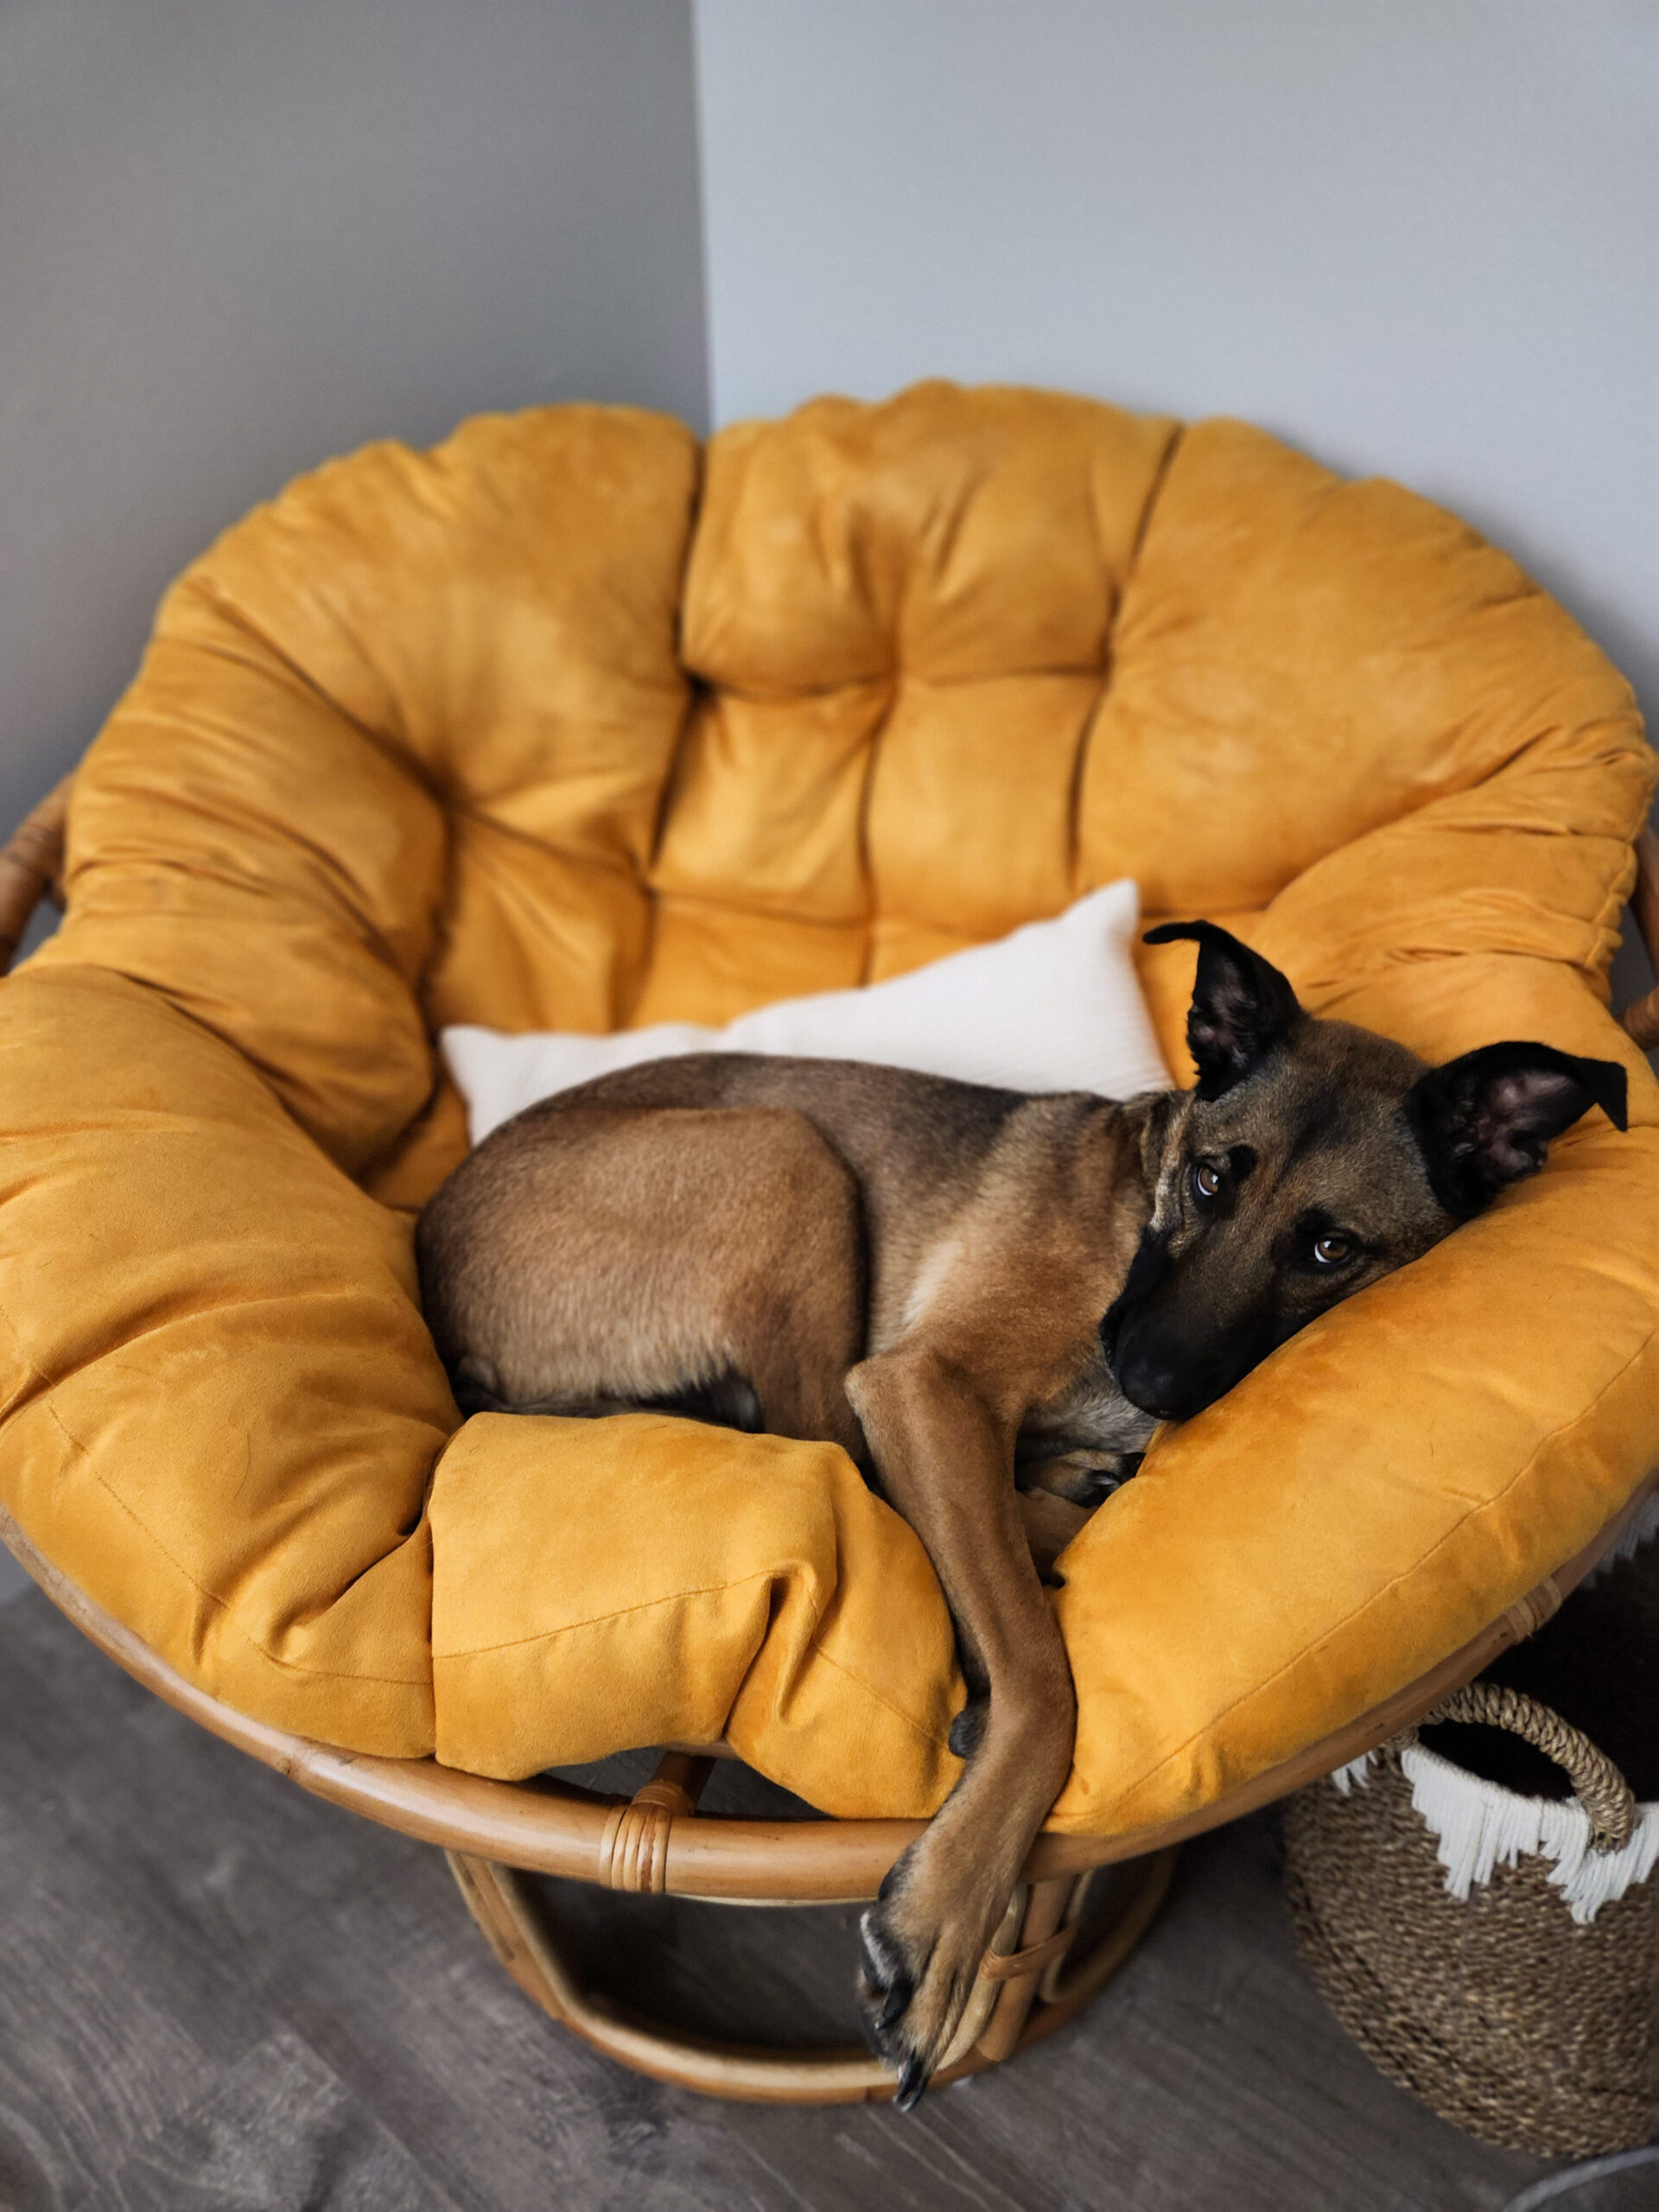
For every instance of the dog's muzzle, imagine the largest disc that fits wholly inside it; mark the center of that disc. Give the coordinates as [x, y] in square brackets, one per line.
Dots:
[1152, 1374]
[1166, 1358]
[1173, 1365]
[1147, 1270]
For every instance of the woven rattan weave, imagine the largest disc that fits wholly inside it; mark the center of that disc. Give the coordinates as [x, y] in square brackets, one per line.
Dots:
[1501, 2011]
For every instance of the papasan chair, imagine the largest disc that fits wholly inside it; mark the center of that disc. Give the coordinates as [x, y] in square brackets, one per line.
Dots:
[571, 723]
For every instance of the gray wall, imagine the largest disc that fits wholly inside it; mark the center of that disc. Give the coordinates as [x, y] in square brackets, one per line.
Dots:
[237, 236]
[1420, 236]
[1415, 237]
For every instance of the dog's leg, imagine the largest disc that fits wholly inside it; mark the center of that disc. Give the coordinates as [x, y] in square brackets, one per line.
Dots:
[1085, 1477]
[619, 1257]
[946, 1459]
[794, 1268]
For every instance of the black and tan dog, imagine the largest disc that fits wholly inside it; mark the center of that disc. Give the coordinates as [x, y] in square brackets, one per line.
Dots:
[991, 1300]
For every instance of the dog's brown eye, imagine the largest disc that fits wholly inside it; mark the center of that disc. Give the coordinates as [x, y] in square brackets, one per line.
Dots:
[1331, 1251]
[1206, 1181]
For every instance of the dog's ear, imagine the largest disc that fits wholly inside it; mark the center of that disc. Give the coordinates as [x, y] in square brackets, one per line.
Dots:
[1242, 1006]
[1487, 1120]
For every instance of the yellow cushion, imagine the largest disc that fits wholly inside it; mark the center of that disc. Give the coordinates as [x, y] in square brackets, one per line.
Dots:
[565, 725]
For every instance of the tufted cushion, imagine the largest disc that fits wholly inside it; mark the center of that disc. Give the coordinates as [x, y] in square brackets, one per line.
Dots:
[561, 726]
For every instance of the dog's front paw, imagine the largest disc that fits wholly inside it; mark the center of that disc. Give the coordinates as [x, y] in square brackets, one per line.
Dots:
[1089, 1478]
[917, 1972]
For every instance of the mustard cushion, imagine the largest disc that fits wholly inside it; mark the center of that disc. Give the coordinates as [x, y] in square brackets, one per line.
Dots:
[566, 725]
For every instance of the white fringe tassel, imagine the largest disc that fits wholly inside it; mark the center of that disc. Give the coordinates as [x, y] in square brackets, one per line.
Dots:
[1476, 1823]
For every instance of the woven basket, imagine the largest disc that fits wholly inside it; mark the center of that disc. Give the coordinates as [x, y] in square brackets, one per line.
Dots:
[1524, 2010]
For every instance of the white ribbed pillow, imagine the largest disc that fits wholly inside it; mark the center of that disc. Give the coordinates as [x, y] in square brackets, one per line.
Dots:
[1055, 1007]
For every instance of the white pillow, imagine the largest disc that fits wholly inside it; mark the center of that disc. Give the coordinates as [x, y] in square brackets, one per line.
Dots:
[1055, 1007]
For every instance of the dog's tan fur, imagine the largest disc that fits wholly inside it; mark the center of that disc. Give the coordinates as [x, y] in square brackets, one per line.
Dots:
[918, 1270]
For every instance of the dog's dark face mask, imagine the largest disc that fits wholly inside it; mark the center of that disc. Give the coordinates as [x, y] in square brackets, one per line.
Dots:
[1311, 1159]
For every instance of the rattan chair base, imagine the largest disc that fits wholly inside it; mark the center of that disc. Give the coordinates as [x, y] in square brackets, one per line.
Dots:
[1009, 2015]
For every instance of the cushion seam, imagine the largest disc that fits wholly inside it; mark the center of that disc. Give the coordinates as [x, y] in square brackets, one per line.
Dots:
[292, 1666]
[472, 813]
[599, 1620]
[1085, 745]
[927, 1735]
[395, 748]
[673, 1598]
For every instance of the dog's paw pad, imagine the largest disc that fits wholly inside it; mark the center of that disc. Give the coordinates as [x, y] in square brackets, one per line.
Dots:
[968, 1729]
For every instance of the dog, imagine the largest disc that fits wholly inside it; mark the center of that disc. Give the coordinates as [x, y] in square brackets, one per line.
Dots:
[989, 1298]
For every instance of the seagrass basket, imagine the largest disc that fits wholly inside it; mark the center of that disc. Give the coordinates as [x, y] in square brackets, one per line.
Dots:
[1494, 1951]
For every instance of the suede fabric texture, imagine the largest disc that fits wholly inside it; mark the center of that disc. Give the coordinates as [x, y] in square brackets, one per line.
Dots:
[566, 724]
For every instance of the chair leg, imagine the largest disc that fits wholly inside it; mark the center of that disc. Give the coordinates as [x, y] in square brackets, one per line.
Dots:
[1044, 1914]
[1016, 2010]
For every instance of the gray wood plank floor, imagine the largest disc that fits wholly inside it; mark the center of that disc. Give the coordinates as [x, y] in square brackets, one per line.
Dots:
[219, 1995]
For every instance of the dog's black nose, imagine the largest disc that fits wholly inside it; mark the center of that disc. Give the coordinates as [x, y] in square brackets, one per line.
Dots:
[1150, 1383]
[1161, 1370]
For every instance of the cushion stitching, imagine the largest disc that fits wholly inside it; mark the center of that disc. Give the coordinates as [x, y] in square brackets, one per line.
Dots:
[774, 694]
[598, 1620]
[692, 688]
[295, 1666]
[621, 867]
[1154, 495]
[674, 1598]
[721, 902]
[395, 748]
[927, 1735]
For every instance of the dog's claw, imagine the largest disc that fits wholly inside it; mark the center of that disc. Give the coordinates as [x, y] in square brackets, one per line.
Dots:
[912, 1984]
[887, 1977]
[912, 2082]
[887, 1986]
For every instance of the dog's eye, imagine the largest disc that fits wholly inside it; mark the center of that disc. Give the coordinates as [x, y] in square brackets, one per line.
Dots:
[1206, 1181]
[1331, 1251]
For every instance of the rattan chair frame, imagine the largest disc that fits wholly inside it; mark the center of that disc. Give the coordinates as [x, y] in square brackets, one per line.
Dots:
[495, 1833]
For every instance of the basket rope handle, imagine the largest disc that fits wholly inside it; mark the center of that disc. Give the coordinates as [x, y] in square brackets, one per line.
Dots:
[1607, 1797]
[31, 867]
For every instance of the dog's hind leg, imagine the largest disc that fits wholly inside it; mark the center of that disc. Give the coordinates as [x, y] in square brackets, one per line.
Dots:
[703, 1260]
[795, 1303]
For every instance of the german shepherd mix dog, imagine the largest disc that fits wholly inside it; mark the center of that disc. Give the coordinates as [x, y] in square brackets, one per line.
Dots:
[991, 1300]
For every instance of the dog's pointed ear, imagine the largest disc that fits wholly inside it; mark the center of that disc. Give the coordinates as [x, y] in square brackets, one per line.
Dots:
[1242, 1006]
[1487, 1120]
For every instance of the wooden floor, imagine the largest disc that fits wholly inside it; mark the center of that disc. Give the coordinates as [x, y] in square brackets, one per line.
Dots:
[219, 1995]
